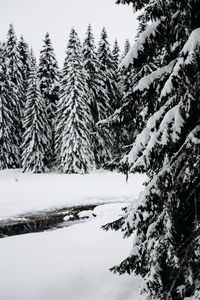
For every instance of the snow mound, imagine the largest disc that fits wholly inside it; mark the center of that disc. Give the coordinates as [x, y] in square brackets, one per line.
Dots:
[86, 214]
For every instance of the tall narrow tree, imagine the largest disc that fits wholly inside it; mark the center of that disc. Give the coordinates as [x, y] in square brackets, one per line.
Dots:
[115, 55]
[107, 67]
[14, 67]
[74, 129]
[36, 128]
[48, 74]
[25, 63]
[25, 58]
[99, 101]
[8, 140]
[127, 47]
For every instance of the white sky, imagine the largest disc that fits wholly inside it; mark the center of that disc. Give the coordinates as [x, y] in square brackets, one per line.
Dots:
[33, 18]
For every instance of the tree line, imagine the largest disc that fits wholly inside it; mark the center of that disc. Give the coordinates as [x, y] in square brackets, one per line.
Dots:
[48, 117]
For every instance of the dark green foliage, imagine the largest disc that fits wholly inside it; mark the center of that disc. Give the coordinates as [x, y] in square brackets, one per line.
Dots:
[165, 220]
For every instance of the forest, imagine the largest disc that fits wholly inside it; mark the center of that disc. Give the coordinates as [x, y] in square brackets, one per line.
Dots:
[135, 113]
[49, 116]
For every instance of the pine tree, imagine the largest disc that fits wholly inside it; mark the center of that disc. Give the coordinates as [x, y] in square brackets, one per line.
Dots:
[36, 128]
[25, 58]
[48, 74]
[119, 132]
[116, 71]
[165, 219]
[127, 47]
[107, 67]
[14, 73]
[99, 101]
[8, 142]
[126, 73]
[115, 55]
[73, 142]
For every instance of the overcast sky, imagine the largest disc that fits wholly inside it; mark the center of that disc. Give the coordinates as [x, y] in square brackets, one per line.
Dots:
[33, 18]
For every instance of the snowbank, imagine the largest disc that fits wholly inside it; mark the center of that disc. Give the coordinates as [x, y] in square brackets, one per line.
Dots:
[68, 264]
[25, 192]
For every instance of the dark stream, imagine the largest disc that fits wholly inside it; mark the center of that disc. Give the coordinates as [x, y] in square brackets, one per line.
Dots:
[38, 222]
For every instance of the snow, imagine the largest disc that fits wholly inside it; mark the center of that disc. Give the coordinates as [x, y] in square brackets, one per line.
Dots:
[192, 44]
[26, 192]
[146, 81]
[139, 45]
[86, 214]
[68, 264]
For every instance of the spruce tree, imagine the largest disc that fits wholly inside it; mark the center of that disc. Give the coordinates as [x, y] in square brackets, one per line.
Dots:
[108, 68]
[36, 128]
[99, 101]
[25, 59]
[165, 219]
[125, 73]
[48, 74]
[119, 132]
[14, 66]
[116, 71]
[74, 129]
[115, 55]
[127, 47]
[8, 141]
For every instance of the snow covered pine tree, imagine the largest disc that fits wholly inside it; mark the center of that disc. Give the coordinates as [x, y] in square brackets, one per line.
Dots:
[165, 220]
[99, 100]
[108, 68]
[37, 133]
[74, 128]
[25, 58]
[48, 74]
[127, 47]
[115, 59]
[14, 73]
[8, 141]
[115, 55]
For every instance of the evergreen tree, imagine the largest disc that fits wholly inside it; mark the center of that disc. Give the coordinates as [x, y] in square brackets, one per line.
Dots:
[25, 58]
[127, 47]
[115, 59]
[99, 101]
[73, 142]
[48, 74]
[8, 142]
[126, 73]
[119, 132]
[14, 74]
[115, 55]
[165, 219]
[108, 68]
[36, 128]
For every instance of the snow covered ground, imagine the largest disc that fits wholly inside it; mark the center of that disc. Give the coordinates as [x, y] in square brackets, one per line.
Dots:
[68, 264]
[26, 192]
